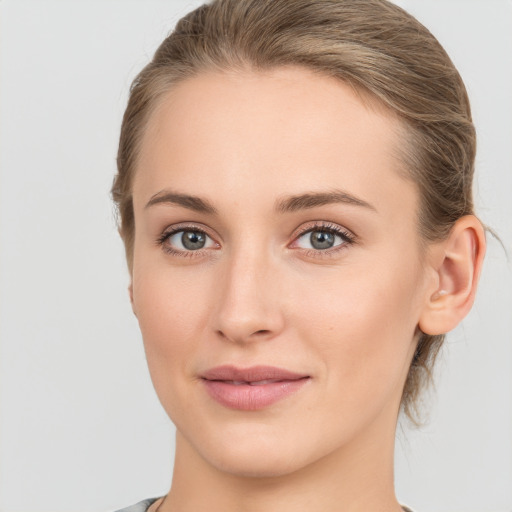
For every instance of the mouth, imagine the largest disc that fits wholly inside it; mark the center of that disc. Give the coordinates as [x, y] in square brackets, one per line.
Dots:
[252, 383]
[253, 388]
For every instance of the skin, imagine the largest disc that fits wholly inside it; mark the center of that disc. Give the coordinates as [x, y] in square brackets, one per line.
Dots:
[259, 294]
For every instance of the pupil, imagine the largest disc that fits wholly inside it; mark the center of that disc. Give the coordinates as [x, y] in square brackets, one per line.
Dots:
[322, 239]
[193, 240]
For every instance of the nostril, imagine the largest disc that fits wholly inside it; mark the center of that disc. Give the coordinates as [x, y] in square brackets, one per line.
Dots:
[261, 333]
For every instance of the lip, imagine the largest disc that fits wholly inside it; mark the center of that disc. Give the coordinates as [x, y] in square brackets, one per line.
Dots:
[253, 388]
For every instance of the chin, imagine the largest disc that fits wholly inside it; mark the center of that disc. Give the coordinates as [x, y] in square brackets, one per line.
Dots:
[255, 463]
[259, 450]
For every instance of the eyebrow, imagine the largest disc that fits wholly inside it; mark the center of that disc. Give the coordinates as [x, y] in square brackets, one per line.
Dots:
[285, 205]
[185, 200]
[313, 199]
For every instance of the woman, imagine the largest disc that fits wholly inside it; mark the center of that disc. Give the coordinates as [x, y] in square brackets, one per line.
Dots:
[294, 191]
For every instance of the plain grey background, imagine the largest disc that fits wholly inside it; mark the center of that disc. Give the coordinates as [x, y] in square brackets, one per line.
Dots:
[80, 426]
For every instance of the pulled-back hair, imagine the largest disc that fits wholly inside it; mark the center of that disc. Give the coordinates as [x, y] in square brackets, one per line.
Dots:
[373, 45]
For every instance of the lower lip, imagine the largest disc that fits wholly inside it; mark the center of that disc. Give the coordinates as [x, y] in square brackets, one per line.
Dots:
[245, 397]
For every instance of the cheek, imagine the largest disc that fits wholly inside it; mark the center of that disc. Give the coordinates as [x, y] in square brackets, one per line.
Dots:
[172, 311]
[362, 321]
[164, 309]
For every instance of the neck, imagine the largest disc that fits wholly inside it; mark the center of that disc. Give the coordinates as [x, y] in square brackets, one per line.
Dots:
[357, 477]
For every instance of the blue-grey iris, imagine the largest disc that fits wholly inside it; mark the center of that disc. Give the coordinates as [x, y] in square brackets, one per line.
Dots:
[322, 239]
[193, 240]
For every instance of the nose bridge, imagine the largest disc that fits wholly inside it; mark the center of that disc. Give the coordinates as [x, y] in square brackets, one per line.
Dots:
[248, 305]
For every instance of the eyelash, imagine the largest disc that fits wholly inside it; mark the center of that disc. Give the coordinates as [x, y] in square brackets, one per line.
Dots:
[167, 234]
[347, 237]
[326, 227]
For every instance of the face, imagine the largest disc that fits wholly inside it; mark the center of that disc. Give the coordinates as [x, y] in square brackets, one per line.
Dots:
[277, 275]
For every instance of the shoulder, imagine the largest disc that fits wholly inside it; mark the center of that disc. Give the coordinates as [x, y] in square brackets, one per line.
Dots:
[141, 506]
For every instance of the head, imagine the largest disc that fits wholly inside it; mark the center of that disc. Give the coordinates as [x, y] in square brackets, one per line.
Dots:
[410, 101]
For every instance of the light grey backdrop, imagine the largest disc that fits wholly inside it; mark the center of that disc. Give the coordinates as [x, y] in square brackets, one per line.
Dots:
[80, 427]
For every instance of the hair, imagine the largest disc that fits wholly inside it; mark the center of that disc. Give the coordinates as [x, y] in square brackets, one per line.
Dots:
[372, 45]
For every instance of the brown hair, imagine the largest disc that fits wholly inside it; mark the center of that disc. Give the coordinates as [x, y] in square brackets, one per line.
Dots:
[374, 46]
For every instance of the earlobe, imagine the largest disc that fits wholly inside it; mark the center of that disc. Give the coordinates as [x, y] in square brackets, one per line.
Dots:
[457, 262]
[130, 292]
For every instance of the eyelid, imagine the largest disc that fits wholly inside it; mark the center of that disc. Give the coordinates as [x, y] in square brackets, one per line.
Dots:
[322, 225]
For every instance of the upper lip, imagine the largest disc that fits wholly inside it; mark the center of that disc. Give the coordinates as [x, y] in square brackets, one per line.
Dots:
[251, 374]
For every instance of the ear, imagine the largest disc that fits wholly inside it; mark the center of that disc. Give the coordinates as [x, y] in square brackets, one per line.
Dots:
[456, 263]
[130, 292]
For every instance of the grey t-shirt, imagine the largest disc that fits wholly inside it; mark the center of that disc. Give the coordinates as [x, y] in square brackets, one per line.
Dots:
[143, 506]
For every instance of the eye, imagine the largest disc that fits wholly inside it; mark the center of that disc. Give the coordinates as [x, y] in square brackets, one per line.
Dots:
[182, 241]
[320, 240]
[323, 238]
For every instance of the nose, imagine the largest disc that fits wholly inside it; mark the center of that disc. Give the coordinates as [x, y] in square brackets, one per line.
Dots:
[249, 306]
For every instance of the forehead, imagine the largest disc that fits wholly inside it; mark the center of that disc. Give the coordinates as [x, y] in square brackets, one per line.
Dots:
[267, 132]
